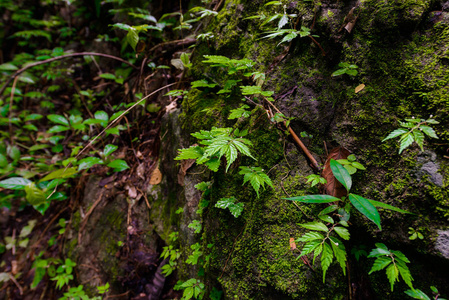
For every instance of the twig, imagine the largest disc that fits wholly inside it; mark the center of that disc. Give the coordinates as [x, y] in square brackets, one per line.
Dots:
[16, 283]
[17, 73]
[298, 141]
[86, 217]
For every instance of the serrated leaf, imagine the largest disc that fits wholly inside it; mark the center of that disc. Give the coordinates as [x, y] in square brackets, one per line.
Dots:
[339, 252]
[61, 173]
[314, 199]
[405, 273]
[380, 263]
[417, 294]
[213, 164]
[315, 226]
[326, 259]
[310, 236]
[392, 274]
[394, 134]
[342, 232]
[366, 208]
[288, 37]
[309, 247]
[341, 174]
[14, 183]
[193, 152]
[429, 131]
[419, 138]
[118, 165]
[58, 119]
[406, 140]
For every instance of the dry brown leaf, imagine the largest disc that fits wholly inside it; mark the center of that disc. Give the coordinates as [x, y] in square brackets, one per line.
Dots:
[141, 171]
[156, 177]
[333, 187]
[185, 165]
[132, 192]
[359, 88]
[292, 244]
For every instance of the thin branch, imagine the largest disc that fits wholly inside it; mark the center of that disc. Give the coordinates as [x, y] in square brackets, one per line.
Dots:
[17, 73]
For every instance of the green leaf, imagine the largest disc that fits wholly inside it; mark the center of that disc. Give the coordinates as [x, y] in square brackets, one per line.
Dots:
[429, 131]
[315, 226]
[341, 174]
[33, 117]
[14, 152]
[132, 38]
[314, 199]
[417, 294]
[406, 140]
[61, 173]
[326, 218]
[387, 206]
[8, 67]
[366, 208]
[351, 72]
[235, 208]
[309, 247]
[358, 165]
[326, 259]
[88, 162]
[342, 232]
[328, 209]
[14, 183]
[188, 293]
[339, 252]
[379, 251]
[101, 115]
[283, 21]
[34, 195]
[392, 274]
[339, 72]
[380, 263]
[288, 37]
[394, 134]
[58, 119]
[58, 128]
[419, 138]
[405, 273]
[251, 90]
[193, 152]
[310, 236]
[3, 161]
[108, 149]
[118, 165]
[202, 83]
[108, 76]
[39, 273]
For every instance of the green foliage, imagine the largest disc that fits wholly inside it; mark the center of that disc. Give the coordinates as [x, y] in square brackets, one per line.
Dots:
[350, 164]
[196, 226]
[346, 68]
[193, 288]
[314, 179]
[394, 263]
[418, 294]
[216, 143]
[240, 112]
[413, 130]
[414, 234]
[230, 203]
[256, 177]
[325, 245]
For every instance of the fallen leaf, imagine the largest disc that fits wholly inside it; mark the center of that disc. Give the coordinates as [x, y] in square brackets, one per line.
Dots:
[292, 244]
[156, 176]
[185, 165]
[359, 88]
[333, 187]
[141, 171]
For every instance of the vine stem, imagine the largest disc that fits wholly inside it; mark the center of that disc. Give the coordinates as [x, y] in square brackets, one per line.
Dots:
[17, 73]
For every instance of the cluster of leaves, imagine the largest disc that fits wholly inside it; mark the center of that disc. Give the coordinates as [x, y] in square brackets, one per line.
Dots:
[418, 294]
[413, 130]
[346, 68]
[329, 246]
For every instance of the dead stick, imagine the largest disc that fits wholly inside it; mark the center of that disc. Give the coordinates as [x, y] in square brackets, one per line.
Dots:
[299, 142]
[17, 73]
